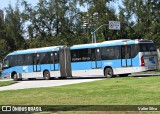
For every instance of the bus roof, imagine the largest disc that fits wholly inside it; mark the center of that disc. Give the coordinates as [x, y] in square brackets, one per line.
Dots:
[105, 43]
[111, 43]
[35, 50]
[82, 46]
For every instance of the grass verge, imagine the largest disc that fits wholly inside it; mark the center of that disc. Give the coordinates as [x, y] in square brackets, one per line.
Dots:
[114, 91]
[6, 83]
[121, 91]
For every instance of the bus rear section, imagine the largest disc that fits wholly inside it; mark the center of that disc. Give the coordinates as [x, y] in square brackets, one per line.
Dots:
[148, 56]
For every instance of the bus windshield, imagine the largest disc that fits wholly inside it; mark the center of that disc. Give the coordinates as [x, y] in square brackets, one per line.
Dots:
[5, 64]
[146, 47]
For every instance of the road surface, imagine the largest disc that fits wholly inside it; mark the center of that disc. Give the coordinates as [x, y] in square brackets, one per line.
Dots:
[46, 83]
[58, 82]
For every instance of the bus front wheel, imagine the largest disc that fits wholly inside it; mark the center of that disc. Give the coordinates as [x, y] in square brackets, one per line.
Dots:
[46, 75]
[109, 73]
[15, 77]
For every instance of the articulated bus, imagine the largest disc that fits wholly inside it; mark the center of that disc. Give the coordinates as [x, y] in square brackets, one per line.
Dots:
[109, 58]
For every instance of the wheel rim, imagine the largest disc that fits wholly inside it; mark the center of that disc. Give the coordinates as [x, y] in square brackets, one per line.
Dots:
[46, 75]
[15, 77]
[109, 73]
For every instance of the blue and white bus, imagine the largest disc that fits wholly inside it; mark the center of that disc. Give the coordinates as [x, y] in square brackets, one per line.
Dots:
[109, 58]
[44, 63]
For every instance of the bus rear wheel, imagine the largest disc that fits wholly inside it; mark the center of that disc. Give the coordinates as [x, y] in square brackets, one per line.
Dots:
[46, 75]
[109, 73]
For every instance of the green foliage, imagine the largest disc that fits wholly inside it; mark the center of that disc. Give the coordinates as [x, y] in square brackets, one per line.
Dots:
[61, 22]
[14, 28]
[6, 83]
[143, 19]
[3, 48]
[115, 91]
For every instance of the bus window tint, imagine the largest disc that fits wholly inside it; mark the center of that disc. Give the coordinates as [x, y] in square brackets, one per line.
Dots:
[110, 53]
[144, 47]
[93, 54]
[11, 61]
[6, 63]
[56, 57]
[151, 47]
[28, 59]
[134, 50]
[80, 55]
[20, 60]
[44, 58]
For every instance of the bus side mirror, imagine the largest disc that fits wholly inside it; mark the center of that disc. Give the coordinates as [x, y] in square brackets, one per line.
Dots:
[0, 67]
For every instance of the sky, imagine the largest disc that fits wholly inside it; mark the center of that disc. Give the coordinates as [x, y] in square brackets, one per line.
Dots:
[4, 3]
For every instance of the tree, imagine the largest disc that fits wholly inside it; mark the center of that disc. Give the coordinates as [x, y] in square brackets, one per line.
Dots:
[100, 13]
[143, 16]
[14, 27]
[50, 20]
[3, 44]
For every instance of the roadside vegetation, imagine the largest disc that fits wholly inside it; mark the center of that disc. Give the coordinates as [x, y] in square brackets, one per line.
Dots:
[6, 83]
[114, 91]
[62, 22]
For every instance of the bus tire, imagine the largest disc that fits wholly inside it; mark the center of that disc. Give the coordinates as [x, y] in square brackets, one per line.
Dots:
[46, 75]
[108, 72]
[15, 77]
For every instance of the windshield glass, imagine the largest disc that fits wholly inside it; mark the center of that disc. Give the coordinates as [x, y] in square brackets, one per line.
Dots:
[144, 47]
[0, 67]
[5, 63]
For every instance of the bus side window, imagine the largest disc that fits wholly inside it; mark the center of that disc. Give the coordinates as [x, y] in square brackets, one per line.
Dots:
[36, 59]
[93, 55]
[123, 52]
[44, 58]
[74, 55]
[52, 57]
[28, 59]
[56, 60]
[128, 54]
[98, 54]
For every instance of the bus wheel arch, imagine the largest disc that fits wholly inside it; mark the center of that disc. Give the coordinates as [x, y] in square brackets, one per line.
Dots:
[108, 72]
[46, 74]
[14, 76]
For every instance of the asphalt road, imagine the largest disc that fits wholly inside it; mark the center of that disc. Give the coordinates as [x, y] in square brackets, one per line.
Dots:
[47, 83]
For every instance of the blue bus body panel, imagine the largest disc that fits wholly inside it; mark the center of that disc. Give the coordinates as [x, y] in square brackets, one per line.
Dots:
[102, 64]
[112, 63]
[81, 65]
[30, 69]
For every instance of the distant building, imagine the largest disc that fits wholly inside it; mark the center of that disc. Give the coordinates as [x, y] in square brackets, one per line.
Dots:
[1, 14]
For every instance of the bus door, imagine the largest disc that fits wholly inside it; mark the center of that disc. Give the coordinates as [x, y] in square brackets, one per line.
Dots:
[36, 63]
[126, 60]
[54, 61]
[65, 61]
[96, 58]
